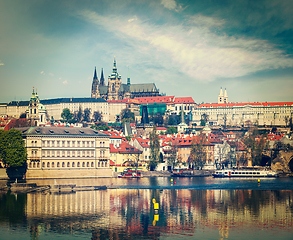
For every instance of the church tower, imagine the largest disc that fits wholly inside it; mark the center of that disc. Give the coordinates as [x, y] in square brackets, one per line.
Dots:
[223, 98]
[95, 86]
[114, 84]
[36, 112]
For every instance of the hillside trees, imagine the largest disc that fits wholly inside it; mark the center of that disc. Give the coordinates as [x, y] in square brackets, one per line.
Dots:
[155, 149]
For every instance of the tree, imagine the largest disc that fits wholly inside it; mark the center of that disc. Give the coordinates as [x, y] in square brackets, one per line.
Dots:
[86, 115]
[66, 114]
[171, 130]
[12, 148]
[198, 151]
[173, 154]
[255, 146]
[155, 149]
[78, 115]
[204, 119]
[126, 116]
[100, 126]
[157, 119]
[97, 116]
[52, 121]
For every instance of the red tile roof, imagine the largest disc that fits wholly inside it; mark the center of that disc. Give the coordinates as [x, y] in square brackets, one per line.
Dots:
[160, 99]
[183, 100]
[264, 104]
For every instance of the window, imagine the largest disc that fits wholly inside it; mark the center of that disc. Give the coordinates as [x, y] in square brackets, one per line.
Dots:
[30, 165]
[78, 164]
[87, 164]
[58, 165]
[53, 164]
[38, 165]
[63, 153]
[73, 143]
[87, 153]
[48, 153]
[68, 164]
[68, 153]
[58, 143]
[73, 164]
[63, 143]
[58, 153]
[83, 153]
[53, 153]
[83, 164]
[73, 154]
[48, 164]
[92, 165]
[43, 164]
[78, 153]
[68, 143]
[63, 164]
[53, 143]
[48, 143]
[83, 143]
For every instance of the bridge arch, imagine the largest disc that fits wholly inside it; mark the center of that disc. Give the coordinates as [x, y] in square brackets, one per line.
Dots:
[291, 164]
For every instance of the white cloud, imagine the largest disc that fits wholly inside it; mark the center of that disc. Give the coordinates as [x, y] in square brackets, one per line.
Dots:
[172, 5]
[132, 19]
[42, 72]
[65, 82]
[1, 63]
[194, 50]
[51, 74]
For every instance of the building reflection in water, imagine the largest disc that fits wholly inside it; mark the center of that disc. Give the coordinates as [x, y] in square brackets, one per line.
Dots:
[127, 213]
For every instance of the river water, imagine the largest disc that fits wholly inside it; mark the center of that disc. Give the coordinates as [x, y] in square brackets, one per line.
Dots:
[188, 208]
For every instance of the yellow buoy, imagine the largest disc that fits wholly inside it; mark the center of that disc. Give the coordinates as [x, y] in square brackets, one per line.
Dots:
[154, 201]
[171, 179]
[156, 206]
[258, 180]
[156, 217]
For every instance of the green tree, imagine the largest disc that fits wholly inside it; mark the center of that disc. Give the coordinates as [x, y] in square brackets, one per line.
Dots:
[256, 147]
[100, 126]
[126, 116]
[12, 148]
[52, 121]
[155, 149]
[66, 114]
[86, 115]
[198, 152]
[171, 130]
[204, 119]
[97, 116]
[78, 115]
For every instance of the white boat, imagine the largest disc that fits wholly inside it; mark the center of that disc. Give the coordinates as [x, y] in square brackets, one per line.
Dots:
[248, 172]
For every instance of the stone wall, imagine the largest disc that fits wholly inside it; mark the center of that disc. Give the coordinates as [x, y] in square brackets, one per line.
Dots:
[69, 173]
[3, 174]
[281, 163]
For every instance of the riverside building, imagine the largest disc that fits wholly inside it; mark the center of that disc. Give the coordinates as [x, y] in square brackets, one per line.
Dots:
[66, 152]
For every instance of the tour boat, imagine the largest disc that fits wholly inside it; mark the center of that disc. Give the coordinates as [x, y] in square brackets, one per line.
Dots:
[130, 174]
[249, 172]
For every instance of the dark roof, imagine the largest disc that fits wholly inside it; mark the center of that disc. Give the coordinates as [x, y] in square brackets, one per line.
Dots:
[57, 131]
[146, 87]
[18, 103]
[71, 100]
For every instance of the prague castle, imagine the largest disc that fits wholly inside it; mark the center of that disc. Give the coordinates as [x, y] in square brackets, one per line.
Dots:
[116, 90]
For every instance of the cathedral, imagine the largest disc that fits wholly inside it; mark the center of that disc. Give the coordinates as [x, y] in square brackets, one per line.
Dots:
[116, 90]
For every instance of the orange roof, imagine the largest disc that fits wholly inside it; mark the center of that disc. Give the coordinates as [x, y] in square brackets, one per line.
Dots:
[264, 104]
[183, 100]
[160, 99]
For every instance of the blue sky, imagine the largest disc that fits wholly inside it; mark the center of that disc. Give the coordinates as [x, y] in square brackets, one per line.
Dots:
[187, 48]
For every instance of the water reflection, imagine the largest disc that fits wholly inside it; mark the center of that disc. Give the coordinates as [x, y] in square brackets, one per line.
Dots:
[130, 213]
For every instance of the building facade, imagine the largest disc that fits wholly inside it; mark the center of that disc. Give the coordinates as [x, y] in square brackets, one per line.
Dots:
[243, 114]
[66, 152]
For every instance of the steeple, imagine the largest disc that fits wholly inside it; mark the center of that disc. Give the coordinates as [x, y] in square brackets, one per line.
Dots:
[102, 80]
[95, 75]
[225, 96]
[114, 74]
[221, 96]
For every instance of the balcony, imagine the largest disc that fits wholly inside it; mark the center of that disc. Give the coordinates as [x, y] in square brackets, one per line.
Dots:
[35, 159]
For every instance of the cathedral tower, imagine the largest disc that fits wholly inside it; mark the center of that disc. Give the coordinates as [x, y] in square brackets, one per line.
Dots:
[223, 98]
[95, 86]
[114, 84]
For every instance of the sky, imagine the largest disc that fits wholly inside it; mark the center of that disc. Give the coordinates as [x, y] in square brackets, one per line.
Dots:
[187, 48]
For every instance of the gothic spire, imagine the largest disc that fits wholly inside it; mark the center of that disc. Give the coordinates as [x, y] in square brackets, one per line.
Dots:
[102, 80]
[95, 74]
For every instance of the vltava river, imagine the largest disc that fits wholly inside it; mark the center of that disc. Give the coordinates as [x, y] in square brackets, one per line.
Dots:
[193, 208]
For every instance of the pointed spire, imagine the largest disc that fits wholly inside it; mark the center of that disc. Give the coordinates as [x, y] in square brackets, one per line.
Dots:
[225, 94]
[221, 92]
[102, 80]
[95, 74]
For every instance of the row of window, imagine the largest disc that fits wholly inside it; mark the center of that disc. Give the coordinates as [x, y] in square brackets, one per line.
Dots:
[69, 154]
[59, 143]
[64, 164]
